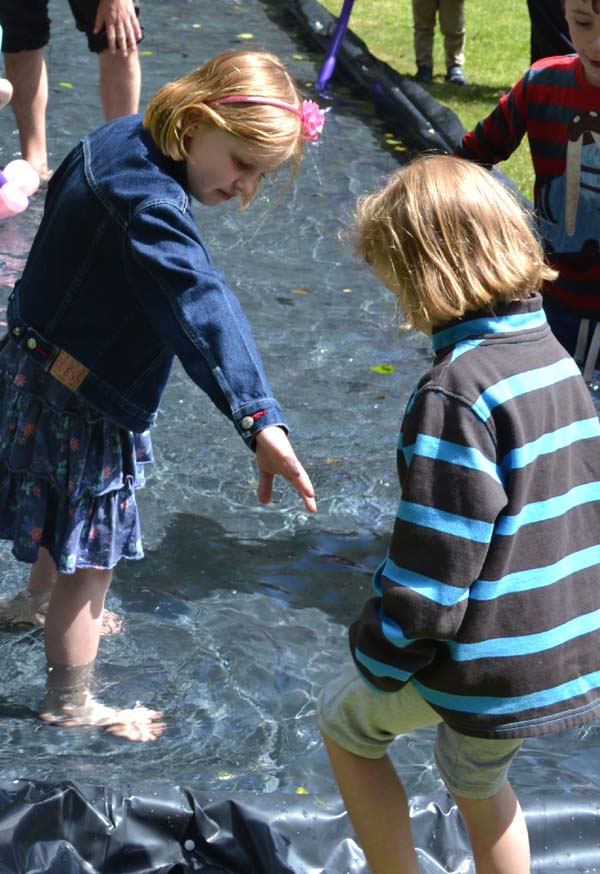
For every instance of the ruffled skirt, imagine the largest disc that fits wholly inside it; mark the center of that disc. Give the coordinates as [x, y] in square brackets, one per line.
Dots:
[68, 476]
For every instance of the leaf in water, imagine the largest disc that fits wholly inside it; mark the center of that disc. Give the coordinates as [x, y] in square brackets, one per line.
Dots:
[383, 368]
[245, 36]
[298, 57]
[347, 290]
[196, 26]
[66, 84]
[301, 790]
[146, 52]
[300, 291]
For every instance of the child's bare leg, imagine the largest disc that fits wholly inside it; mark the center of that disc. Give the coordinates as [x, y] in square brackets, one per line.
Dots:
[72, 635]
[43, 573]
[42, 578]
[498, 832]
[377, 805]
[75, 616]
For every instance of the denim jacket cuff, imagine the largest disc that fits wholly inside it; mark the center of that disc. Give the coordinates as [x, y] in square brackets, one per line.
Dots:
[252, 418]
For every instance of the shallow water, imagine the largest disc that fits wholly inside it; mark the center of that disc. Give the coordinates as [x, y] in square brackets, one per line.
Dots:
[237, 615]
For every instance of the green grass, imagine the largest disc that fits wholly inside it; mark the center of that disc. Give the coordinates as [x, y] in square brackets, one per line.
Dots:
[497, 54]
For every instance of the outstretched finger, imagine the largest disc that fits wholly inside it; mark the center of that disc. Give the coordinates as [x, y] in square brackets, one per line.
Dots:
[303, 485]
[265, 487]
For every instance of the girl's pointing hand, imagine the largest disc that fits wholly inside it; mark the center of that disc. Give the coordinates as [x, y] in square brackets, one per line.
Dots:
[275, 456]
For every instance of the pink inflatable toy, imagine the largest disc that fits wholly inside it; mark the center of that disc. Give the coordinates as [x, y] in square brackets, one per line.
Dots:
[6, 91]
[18, 182]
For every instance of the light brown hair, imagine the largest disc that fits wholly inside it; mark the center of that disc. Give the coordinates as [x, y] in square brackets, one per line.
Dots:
[447, 238]
[179, 108]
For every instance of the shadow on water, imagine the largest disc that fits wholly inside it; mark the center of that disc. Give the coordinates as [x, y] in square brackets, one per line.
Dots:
[233, 639]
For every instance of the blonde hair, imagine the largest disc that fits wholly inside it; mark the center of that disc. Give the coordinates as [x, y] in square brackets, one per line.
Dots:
[447, 238]
[275, 135]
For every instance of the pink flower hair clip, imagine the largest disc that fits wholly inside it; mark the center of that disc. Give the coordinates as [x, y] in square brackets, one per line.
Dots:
[311, 114]
[313, 120]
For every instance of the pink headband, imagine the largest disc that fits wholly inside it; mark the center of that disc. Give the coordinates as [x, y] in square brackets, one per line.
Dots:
[312, 117]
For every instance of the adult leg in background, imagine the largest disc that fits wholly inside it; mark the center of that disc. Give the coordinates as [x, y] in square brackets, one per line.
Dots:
[424, 15]
[452, 25]
[120, 83]
[113, 32]
[27, 72]
[26, 33]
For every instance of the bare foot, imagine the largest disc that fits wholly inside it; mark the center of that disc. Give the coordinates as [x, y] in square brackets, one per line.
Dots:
[112, 623]
[137, 723]
[45, 174]
[28, 609]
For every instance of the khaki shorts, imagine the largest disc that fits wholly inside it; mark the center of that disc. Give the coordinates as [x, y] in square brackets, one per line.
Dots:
[365, 722]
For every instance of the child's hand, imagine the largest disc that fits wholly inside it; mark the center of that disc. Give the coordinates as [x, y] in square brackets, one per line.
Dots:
[275, 456]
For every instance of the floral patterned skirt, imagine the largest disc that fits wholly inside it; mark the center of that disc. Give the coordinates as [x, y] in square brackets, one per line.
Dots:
[68, 476]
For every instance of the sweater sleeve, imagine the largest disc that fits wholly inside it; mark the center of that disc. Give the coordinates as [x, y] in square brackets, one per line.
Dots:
[199, 318]
[496, 137]
[452, 493]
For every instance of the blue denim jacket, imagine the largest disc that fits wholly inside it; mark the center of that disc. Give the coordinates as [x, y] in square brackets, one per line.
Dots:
[118, 282]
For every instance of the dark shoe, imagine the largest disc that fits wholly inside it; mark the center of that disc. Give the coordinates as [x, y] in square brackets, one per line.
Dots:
[424, 73]
[456, 76]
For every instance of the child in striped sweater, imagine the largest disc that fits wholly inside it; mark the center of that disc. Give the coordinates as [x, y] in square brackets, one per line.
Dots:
[485, 619]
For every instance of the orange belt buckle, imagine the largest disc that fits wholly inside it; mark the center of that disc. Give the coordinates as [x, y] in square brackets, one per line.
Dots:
[68, 370]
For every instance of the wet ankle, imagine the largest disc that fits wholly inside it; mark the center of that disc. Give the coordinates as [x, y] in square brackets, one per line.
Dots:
[67, 686]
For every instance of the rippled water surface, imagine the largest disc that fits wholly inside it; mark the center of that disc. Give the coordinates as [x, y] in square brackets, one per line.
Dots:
[237, 615]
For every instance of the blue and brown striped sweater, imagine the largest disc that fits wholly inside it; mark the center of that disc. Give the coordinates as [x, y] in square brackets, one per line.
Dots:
[489, 598]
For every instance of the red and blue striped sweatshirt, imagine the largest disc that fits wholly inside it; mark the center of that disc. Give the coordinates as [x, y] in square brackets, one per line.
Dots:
[489, 598]
[559, 110]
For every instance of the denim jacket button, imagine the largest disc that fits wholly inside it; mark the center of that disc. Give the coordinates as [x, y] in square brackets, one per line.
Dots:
[31, 343]
[246, 423]
[17, 331]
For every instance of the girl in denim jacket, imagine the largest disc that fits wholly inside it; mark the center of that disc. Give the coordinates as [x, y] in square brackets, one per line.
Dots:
[118, 282]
